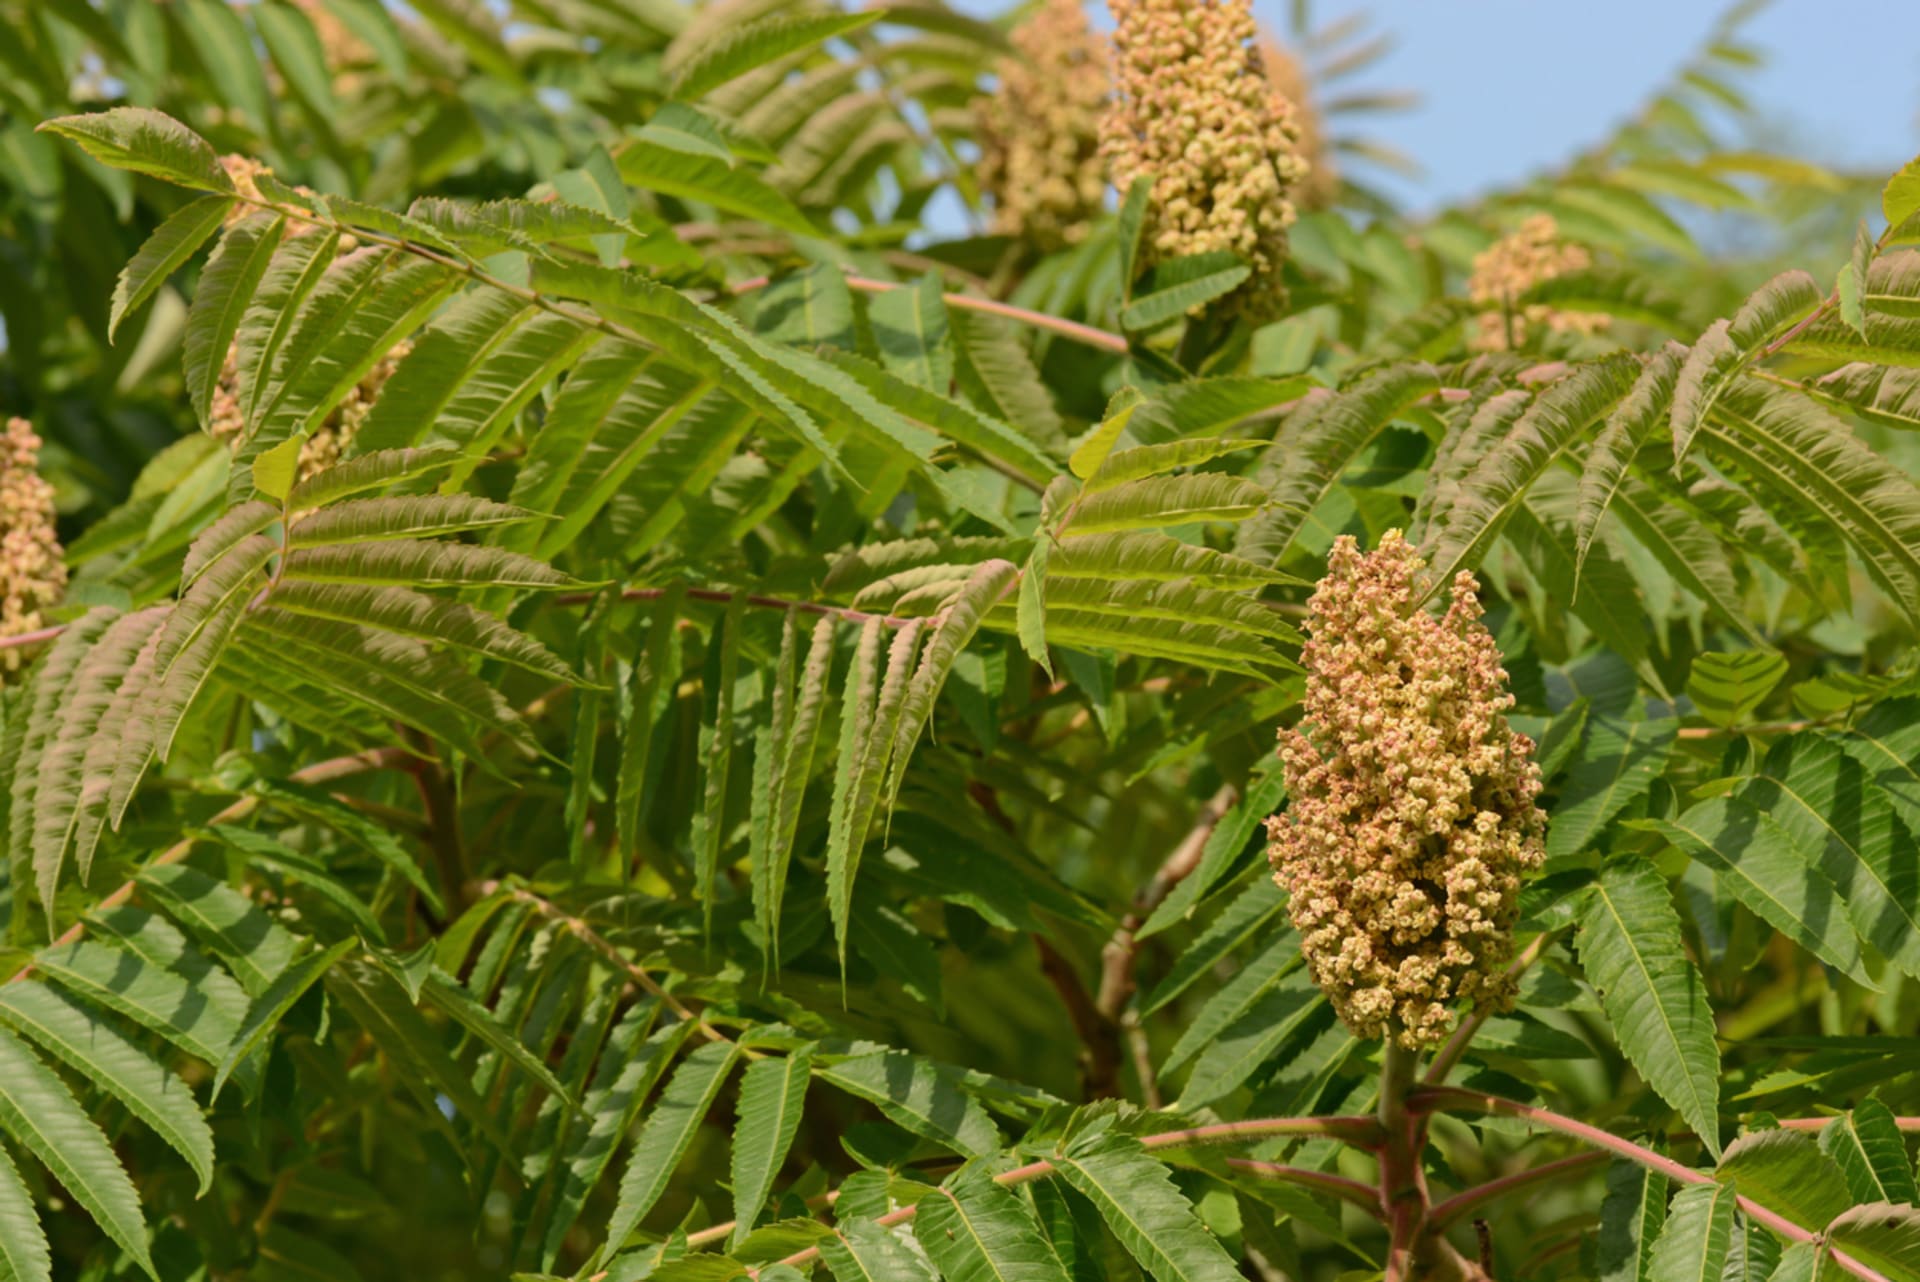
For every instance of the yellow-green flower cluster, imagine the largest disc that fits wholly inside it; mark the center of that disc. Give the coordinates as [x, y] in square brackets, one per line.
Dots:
[32, 574]
[1040, 130]
[1411, 818]
[1193, 113]
[1507, 269]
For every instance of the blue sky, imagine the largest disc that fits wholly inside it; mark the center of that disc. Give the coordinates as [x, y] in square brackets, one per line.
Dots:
[1511, 86]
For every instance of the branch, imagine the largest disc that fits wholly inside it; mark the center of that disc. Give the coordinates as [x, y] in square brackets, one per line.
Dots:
[1079, 333]
[1364, 1196]
[1435, 1098]
[1118, 957]
[1353, 1130]
[1446, 1212]
[587, 935]
[1403, 1181]
[319, 772]
[1099, 1044]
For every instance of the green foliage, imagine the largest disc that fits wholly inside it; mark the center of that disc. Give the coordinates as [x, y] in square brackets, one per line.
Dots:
[618, 672]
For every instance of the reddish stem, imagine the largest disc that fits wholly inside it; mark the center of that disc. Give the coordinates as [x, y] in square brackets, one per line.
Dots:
[1446, 1212]
[1435, 1098]
[1364, 1196]
[993, 307]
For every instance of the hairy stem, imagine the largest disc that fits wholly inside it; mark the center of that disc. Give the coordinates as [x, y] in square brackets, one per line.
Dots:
[1403, 1183]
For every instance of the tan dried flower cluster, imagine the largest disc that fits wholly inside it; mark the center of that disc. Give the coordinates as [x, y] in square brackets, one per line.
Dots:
[32, 574]
[1321, 184]
[340, 47]
[1411, 818]
[1192, 112]
[227, 422]
[1040, 130]
[243, 170]
[1507, 269]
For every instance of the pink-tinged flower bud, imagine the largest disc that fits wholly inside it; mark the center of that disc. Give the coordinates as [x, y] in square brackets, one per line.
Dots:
[1411, 819]
[33, 577]
[1040, 130]
[1193, 112]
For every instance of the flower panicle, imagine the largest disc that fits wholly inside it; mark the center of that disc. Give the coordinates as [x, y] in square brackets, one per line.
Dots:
[1194, 113]
[33, 573]
[1412, 818]
[1040, 130]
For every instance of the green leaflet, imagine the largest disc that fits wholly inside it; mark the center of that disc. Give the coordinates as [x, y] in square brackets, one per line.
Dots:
[197, 1019]
[1845, 825]
[1693, 1244]
[773, 1093]
[910, 329]
[668, 1132]
[975, 1230]
[1149, 1216]
[413, 517]
[1797, 448]
[255, 947]
[1628, 428]
[107, 1057]
[955, 627]
[381, 1007]
[146, 142]
[869, 720]
[863, 1251]
[1315, 447]
[648, 695]
[1631, 1216]
[754, 44]
[1871, 1153]
[272, 1005]
[628, 1070]
[24, 1256]
[1758, 862]
[1729, 346]
[1618, 763]
[1245, 1046]
[1629, 945]
[1883, 1237]
[1236, 999]
[172, 243]
[716, 753]
[917, 1095]
[1499, 481]
[1788, 1173]
[41, 1115]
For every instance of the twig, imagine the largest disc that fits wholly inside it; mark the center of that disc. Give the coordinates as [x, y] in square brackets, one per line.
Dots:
[1099, 1042]
[1118, 957]
[1436, 1098]
[605, 947]
[1355, 1130]
[1364, 1196]
[32, 638]
[969, 303]
[443, 821]
[1770, 727]
[1447, 1211]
